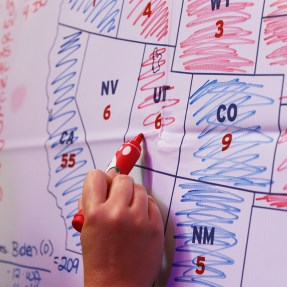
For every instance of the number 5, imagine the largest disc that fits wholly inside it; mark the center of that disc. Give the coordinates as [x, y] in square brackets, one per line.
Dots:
[200, 263]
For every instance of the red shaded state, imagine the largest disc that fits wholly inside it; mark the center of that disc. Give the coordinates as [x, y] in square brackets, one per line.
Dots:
[206, 52]
[154, 25]
[280, 8]
[276, 33]
[279, 201]
[148, 80]
[283, 137]
[283, 165]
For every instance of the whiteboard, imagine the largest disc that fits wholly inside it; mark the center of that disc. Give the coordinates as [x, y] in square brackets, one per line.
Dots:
[203, 80]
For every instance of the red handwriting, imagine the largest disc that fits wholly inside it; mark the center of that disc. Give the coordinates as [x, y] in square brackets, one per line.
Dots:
[157, 22]
[279, 201]
[33, 6]
[149, 80]
[203, 51]
[5, 52]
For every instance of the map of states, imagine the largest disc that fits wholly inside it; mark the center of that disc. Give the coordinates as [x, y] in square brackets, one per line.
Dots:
[204, 81]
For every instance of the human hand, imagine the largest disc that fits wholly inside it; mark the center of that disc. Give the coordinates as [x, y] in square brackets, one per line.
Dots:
[122, 236]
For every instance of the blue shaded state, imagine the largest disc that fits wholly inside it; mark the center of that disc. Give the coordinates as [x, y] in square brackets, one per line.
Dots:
[211, 207]
[103, 15]
[238, 166]
[62, 118]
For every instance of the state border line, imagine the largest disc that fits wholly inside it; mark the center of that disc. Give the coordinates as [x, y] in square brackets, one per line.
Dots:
[227, 74]
[278, 138]
[135, 93]
[115, 38]
[274, 16]
[206, 182]
[247, 241]
[178, 158]
[270, 208]
[259, 38]
[76, 100]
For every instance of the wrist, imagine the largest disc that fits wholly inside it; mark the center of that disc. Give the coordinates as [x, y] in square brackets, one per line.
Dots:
[103, 279]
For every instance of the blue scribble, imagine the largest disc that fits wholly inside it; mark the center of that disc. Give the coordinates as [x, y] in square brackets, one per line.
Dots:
[64, 84]
[237, 167]
[210, 206]
[104, 14]
[214, 208]
[63, 115]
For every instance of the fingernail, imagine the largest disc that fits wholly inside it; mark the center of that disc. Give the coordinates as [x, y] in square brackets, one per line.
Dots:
[113, 172]
[115, 168]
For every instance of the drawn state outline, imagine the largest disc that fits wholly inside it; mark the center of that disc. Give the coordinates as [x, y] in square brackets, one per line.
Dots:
[68, 63]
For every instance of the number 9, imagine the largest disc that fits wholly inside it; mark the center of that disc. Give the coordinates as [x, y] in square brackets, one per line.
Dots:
[226, 141]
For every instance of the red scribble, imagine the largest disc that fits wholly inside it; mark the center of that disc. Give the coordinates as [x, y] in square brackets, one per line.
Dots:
[279, 201]
[276, 32]
[6, 41]
[94, 3]
[33, 7]
[280, 8]
[204, 51]
[148, 81]
[283, 137]
[155, 25]
[17, 97]
[283, 165]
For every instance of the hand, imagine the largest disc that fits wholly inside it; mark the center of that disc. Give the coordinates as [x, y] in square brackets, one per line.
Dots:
[122, 237]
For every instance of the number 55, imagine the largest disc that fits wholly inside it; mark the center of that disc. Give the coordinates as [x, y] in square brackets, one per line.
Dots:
[68, 160]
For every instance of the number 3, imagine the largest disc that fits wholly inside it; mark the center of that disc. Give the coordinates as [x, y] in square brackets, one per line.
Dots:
[220, 31]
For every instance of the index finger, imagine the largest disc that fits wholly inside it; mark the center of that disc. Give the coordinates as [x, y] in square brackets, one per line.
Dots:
[96, 186]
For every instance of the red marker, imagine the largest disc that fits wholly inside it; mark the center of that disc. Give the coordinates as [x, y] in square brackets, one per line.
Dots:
[124, 159]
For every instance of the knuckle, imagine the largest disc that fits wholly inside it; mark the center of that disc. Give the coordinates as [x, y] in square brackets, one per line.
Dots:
[93, 215]
[117, 218]
[157, 228]
[94, 173]
[140, 225]
[140, 187]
